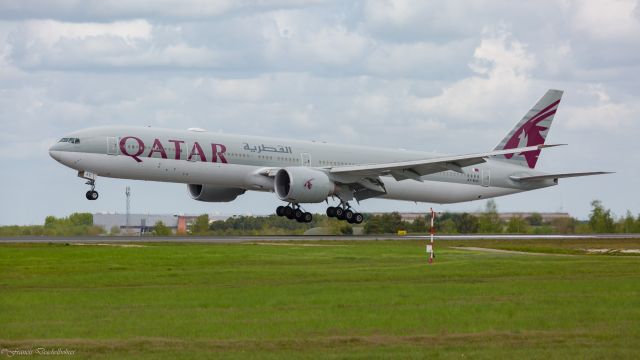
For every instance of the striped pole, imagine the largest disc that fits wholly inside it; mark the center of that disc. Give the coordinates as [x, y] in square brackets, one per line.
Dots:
[432, 230]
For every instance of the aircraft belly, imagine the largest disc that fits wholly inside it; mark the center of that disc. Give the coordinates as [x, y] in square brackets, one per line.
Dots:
[166, 170]
[246, 176]
[440, 192]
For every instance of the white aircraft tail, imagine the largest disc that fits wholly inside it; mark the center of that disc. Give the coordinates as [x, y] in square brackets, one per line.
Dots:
[532, 130]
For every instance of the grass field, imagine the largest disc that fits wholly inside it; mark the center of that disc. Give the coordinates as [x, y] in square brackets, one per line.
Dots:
[328, 299]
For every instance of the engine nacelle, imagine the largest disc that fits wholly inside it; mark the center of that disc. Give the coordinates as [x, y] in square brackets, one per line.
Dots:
[210, 193]
[303, 185]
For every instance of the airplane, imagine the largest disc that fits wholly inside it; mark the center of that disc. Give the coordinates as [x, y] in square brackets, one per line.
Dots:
[220, 167]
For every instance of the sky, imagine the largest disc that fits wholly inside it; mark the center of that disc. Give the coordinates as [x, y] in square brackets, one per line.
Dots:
[448, 76]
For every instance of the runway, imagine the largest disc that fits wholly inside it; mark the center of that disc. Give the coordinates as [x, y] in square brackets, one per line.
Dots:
[241, 239]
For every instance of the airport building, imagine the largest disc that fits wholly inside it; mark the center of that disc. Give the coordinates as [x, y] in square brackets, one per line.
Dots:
[139, 224]
[136, 223]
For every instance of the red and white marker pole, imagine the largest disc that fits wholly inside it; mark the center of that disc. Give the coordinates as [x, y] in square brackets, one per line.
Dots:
[432, 230]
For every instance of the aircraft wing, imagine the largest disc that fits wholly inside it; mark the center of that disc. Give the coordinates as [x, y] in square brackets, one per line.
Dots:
[557, 176]
[414, 169]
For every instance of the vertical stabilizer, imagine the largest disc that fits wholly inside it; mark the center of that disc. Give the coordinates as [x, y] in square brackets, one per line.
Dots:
[532, 130]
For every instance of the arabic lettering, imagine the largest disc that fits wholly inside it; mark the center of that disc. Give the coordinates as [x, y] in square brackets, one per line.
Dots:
[264, 148]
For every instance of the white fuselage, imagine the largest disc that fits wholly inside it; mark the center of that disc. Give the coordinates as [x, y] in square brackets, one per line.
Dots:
[237, 161]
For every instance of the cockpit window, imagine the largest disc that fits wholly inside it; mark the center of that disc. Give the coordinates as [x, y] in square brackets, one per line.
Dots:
[76, 141]
[64, 140]
[70, 140]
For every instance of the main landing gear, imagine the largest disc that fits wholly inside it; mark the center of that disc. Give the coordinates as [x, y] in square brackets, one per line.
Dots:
[293, 211]
[91, 181]
[344, 212]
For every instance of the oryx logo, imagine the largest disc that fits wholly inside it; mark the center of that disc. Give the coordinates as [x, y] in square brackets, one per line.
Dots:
[308, 184]
[532, 133]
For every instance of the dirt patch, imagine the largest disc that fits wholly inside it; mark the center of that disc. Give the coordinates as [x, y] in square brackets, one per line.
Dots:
[301, 343]
[500, 251]
[103, 244]
[288, 244]
[612, 251]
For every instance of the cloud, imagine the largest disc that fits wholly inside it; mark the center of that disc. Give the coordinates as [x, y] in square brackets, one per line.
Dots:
[108, 10]
[239, 89]
[419, 59]
[48, 44]
[295, 41]
[403, 20]
[608, 20]
[25, 149]
[601, 114]
[502, 68]
[49, 32]
[333, 46]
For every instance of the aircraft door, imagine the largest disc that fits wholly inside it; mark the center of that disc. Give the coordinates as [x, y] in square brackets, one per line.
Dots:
[306, 159]
[112, 146]
[486, 177]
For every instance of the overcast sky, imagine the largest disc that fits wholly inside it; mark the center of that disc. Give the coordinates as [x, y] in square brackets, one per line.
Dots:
[451, 76]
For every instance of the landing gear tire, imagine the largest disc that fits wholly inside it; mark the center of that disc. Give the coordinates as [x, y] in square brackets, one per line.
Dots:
[358, 218]
[280, 210]
[288, 212]
[348, 215]
[298, 215]
[307, 217]
[92, 195]
[344, 212]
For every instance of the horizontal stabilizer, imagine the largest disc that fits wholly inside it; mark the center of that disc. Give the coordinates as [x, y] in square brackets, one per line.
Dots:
[556, 176]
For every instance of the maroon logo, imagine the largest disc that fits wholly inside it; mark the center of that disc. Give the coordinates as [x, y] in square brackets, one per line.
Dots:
[530, 134]
[308, 184]
[134, 147]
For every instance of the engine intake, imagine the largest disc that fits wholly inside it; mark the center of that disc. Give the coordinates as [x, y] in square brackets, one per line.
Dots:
[210, 193]
[303, 185]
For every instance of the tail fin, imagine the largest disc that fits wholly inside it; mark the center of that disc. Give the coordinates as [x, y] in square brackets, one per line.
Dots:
[532, 130]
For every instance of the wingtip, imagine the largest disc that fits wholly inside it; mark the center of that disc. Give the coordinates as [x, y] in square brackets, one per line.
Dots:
[544, 146]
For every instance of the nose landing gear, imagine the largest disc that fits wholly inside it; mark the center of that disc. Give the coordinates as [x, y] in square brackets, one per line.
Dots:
[344, 212]
[91, 181]
[293, 211]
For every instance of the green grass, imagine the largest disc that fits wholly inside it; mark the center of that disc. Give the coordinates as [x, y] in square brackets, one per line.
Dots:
[337, 300]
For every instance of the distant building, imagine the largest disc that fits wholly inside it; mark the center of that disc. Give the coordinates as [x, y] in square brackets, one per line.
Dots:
[142, 223]
[546, 216]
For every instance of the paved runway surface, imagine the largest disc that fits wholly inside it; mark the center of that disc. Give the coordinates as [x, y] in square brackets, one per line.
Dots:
[239, 239]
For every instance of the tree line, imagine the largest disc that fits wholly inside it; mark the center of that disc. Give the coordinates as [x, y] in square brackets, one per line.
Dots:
[489, 222]
[76, 224]
[600, 220]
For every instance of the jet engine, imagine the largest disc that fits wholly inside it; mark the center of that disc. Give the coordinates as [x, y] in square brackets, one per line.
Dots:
[303, 185]
[210, 193]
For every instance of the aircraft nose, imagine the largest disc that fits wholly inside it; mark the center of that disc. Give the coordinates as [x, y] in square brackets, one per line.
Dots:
[54, 152]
